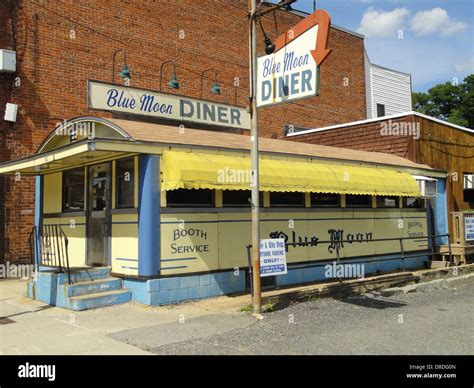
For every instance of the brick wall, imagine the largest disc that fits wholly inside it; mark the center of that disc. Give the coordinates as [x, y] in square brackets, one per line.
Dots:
[60, 44]
[366, 137]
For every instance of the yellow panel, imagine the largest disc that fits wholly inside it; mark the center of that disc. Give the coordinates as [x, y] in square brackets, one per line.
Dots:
[190, 170]
[52, 193]
[226, 235]
[75, 229]
[189, 243]
[124, 244]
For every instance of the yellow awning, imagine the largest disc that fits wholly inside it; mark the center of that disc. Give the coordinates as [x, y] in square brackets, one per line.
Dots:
[186, 170]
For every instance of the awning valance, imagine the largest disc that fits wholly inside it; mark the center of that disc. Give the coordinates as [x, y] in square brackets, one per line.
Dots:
[189, 170]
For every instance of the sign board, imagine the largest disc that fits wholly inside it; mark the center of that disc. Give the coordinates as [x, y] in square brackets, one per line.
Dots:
[272, 257]
[469, 227]
[292, 71]
[117, 98]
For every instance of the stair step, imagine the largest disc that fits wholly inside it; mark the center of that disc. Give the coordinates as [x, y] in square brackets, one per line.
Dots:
[93, 286]
[79, 275]
[101, 299]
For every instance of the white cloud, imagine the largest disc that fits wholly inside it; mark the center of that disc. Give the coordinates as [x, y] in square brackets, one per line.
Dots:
[382, 24]
[465, 66]
[435, 21]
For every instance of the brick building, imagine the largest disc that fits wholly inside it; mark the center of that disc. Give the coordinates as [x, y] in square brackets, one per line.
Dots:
[60, 45]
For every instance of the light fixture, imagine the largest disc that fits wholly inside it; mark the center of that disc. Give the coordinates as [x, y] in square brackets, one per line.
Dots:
[173, 82]
[269, 46]
[215, 89]
[125, 73]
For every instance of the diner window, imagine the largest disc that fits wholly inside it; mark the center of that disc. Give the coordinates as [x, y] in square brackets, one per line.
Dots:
[289, 199]
[413, 202]
[190, 198]
[388, 201]
[73, 190]
[353, 200]
[125, 179]
[325, 200]
[238, 198]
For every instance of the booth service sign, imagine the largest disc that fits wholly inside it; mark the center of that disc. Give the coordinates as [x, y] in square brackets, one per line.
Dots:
[272, 257]
[117, 98]
[292, 71]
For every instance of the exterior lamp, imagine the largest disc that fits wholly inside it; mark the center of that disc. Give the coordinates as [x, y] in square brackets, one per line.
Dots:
[173, 83]
[269, 46]
[125, 73]
[215, 89]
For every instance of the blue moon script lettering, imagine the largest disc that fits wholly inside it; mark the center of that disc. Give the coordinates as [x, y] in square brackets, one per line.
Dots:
[147, 102]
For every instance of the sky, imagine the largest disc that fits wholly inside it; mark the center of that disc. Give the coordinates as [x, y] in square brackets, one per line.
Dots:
[433, 40]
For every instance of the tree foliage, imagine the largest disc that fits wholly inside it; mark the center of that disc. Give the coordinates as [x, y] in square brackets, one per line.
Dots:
[453, 102]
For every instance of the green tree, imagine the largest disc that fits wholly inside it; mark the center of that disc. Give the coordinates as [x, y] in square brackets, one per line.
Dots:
[449, 101]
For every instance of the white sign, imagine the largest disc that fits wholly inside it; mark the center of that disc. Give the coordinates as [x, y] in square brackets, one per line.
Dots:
[272, 257]
[292, 71]
[469, 227]
[288, 74]
[126, 99]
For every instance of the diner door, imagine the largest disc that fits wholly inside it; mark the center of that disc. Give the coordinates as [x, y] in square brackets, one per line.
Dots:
[98, 214]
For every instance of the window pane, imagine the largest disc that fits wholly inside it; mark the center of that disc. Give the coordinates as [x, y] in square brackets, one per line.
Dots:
[238, 198]
[325, 200]
[390, 201]
[358, 200]
[413, 202]
[286, 199]
[380, 110]
[73, 190]
[190, 198]
[125, 182]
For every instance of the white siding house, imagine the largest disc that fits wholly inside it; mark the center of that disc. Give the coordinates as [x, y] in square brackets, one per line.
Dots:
[388, 91]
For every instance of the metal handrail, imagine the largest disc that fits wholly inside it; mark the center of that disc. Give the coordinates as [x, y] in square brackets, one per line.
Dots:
[49, 247]
[339, 243]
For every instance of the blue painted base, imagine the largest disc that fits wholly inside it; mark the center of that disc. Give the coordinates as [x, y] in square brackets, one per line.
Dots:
[89, 290]
[178, 289]
[303, 274]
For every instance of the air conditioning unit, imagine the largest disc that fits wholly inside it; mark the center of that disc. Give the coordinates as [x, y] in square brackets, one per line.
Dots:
[7, 61]
[11, 111]
[427, 186]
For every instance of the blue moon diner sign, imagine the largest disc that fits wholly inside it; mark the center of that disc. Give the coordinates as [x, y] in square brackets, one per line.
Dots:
[126, 99]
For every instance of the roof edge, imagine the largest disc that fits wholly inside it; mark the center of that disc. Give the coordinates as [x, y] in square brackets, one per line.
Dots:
[374, 120]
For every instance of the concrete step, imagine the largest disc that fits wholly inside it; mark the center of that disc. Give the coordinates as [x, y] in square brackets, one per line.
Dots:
[93, 286]
[101, 299]
[81, 274]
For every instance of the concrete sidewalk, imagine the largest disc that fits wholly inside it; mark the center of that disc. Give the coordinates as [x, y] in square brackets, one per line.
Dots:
[31, 327]
[37, 328]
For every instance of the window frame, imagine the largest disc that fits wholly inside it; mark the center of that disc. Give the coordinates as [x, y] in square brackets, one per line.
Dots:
[117, 191]
[63, 186]
[368, 206]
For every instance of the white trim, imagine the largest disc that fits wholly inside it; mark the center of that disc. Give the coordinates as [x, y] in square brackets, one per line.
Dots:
[368, 121]
[423, 178]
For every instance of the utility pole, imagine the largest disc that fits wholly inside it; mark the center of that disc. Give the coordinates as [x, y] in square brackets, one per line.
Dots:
[254, 12]
[257, 292]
